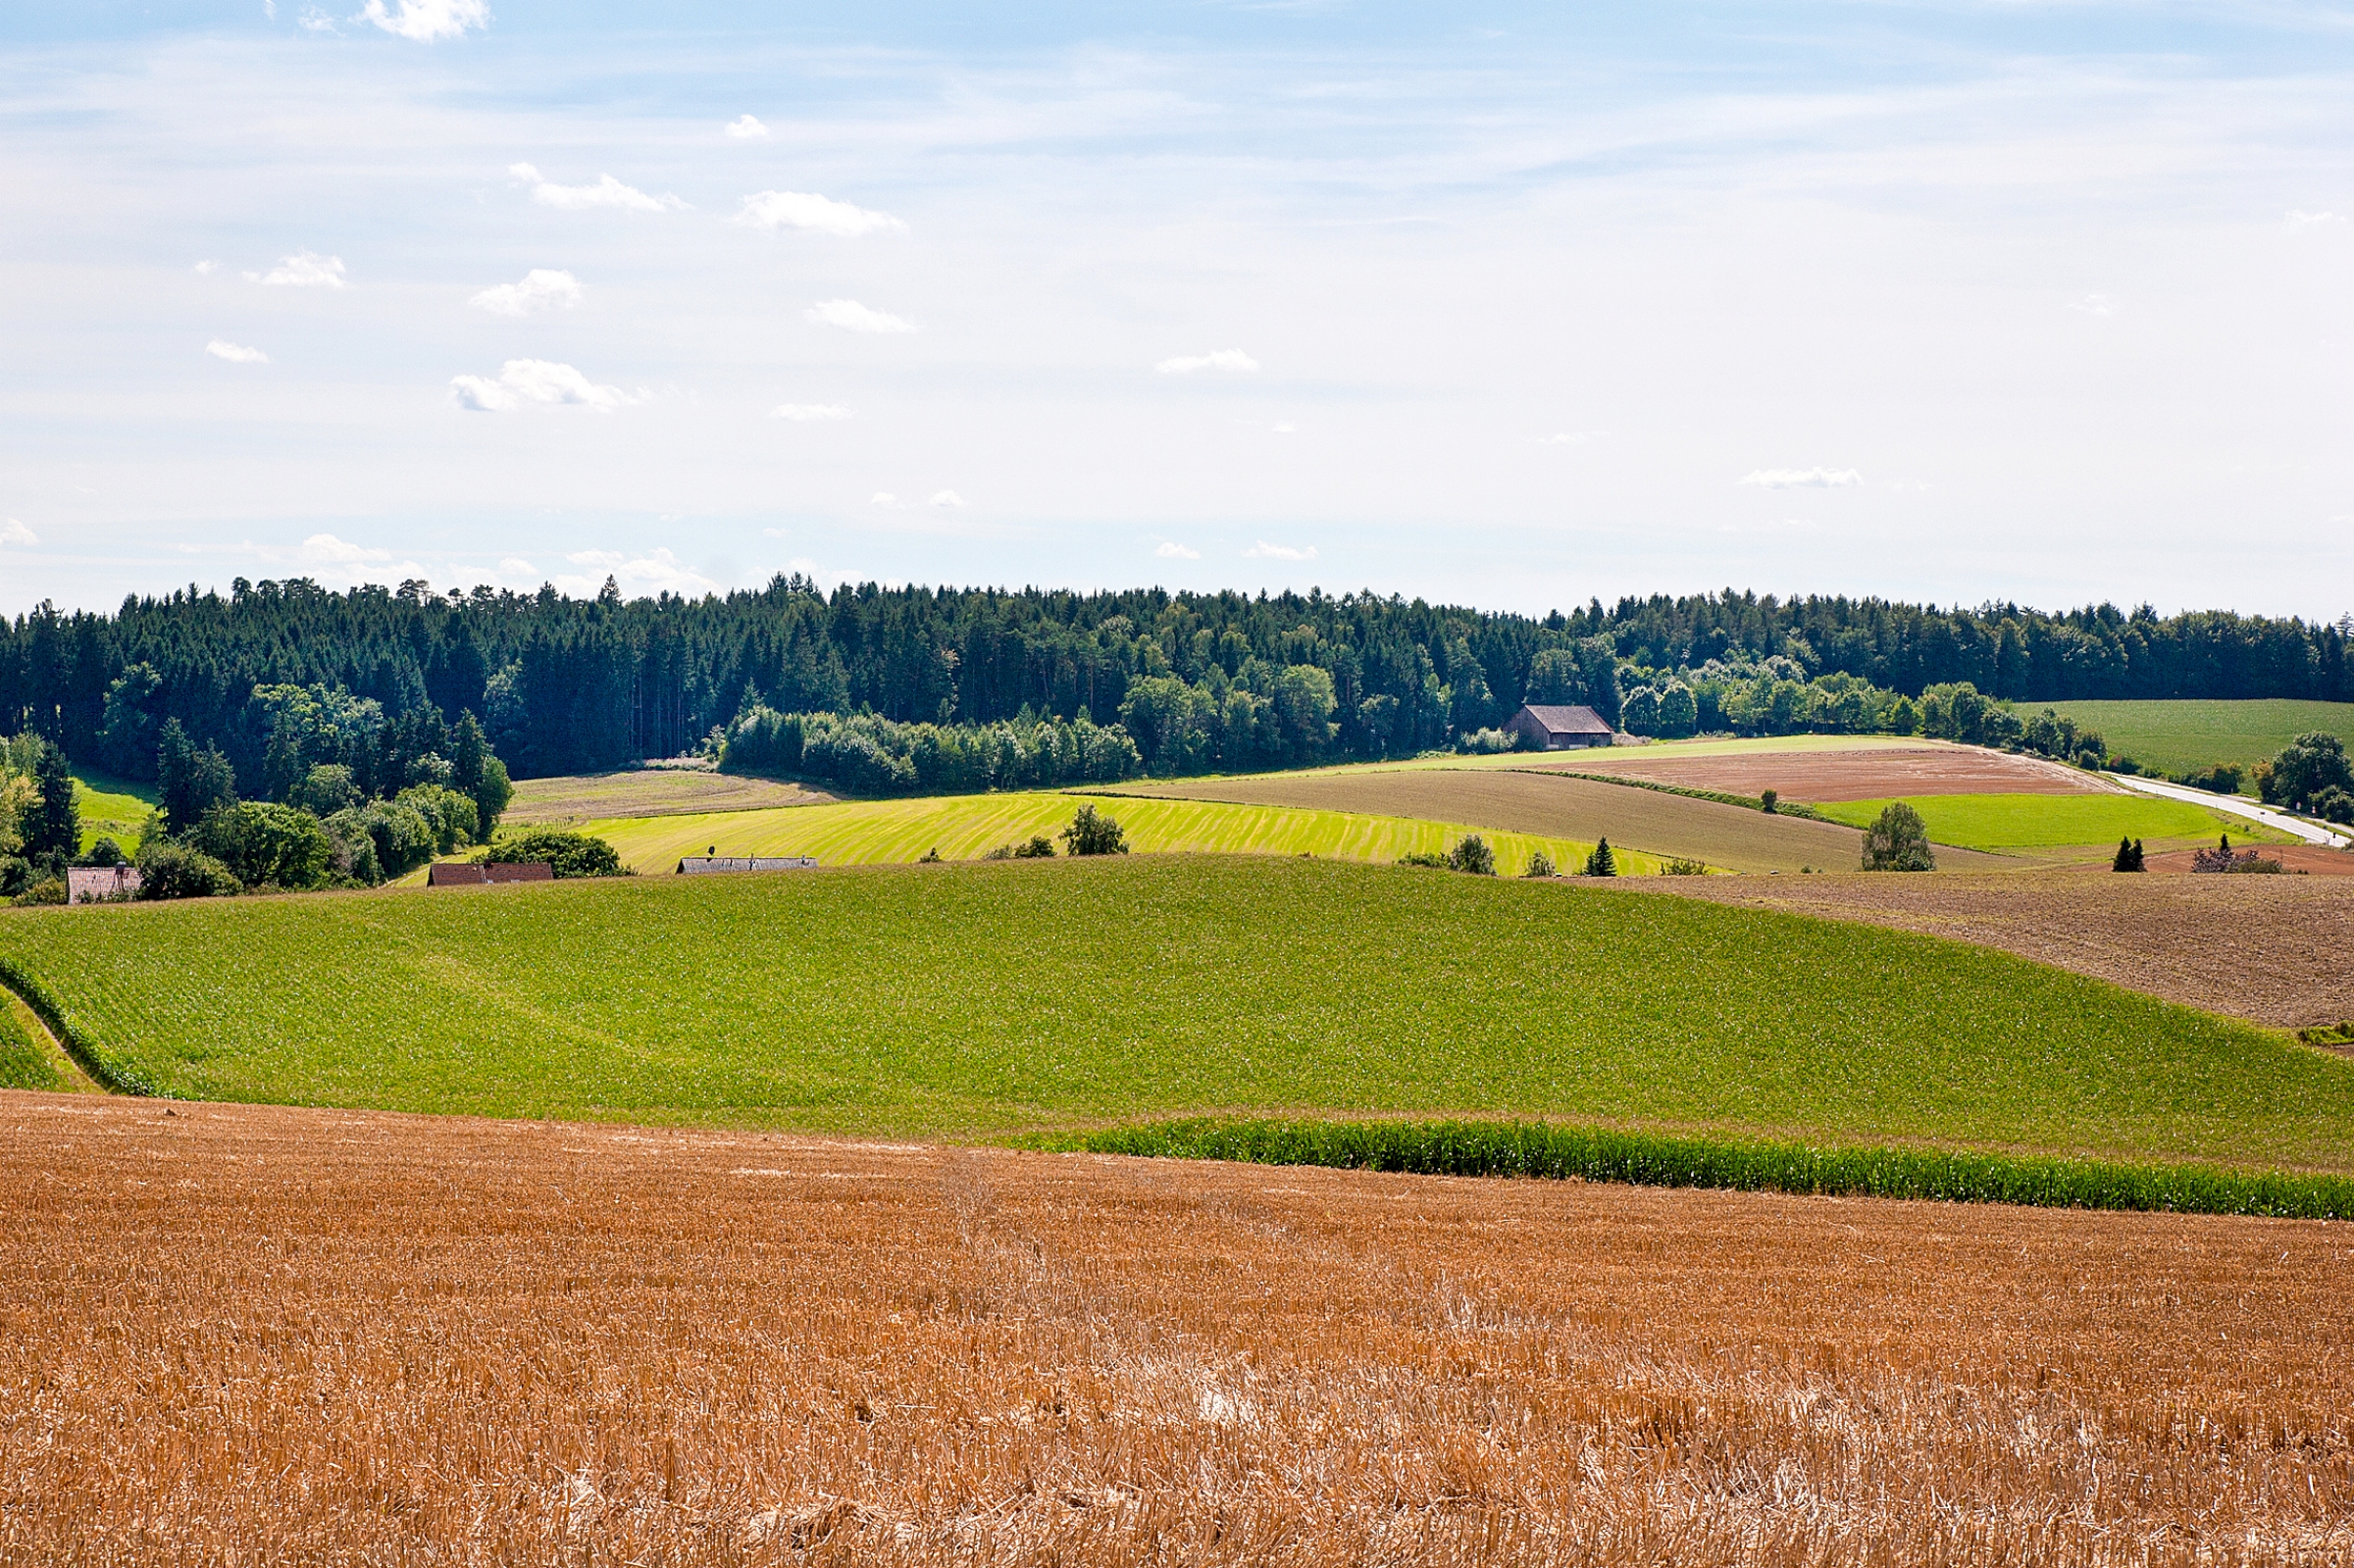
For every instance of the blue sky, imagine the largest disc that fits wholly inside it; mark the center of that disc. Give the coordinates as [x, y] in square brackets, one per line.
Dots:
[1510, 304]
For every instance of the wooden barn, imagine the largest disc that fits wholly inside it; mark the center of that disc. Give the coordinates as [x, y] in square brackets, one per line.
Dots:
[1549, 728]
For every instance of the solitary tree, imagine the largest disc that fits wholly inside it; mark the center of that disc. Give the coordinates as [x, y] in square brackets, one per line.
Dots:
[1091, 832]
[1897, 842]
[1473, 854]
[2128, 856]
[1602, 863]
[1769, 801]
[1540, 864]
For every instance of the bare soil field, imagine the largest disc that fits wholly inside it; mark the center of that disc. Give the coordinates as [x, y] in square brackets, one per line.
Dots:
[2314, 860]
[2270, 949]
[1730, 837]
[264, 1334]
[1874, 773]
[648, 792]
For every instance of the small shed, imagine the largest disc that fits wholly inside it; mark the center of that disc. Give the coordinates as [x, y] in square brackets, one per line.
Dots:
[708, 865]
[461, 873]
[101, 884]
[1551, 728]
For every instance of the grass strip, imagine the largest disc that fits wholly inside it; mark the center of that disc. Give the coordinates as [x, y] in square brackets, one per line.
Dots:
[117, 1076]
[1656, 1159]
[1723, 797]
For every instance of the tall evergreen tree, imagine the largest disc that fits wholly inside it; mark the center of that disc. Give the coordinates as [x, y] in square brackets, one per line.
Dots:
[54, 826]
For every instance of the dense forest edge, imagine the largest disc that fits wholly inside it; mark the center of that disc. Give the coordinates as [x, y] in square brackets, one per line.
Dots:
[1129, 681]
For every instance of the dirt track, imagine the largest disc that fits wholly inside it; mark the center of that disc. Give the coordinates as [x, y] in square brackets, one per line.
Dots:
[2276, 950]
[262, 1335]
[1875, 773]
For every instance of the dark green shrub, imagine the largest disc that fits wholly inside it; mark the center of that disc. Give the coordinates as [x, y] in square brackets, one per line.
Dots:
[1473, 854]
[1039, 848]
[568, 854]
[1424, 857]
[104, 852]
[2128, 856]
[1540, 864]
[1767, 799]
[1897, 842]
[266, 844]
[1091, 832]
[169, 870]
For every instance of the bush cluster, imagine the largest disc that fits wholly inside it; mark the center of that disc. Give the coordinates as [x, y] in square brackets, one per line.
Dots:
[866, 755]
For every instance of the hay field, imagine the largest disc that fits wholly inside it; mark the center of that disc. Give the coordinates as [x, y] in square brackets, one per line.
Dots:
[573, 798]
[364, 1339]
[1921, 767]
[1521, 801]
[981, 1000]
[111, 807]
[2176, 737]
[2063, 825]
[868, 833]
[2269, 949]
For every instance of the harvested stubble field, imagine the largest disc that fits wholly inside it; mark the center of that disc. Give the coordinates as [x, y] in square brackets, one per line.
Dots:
[365, 1339]
[1032, 995]
[2270, 949]
[1731, 837]
[648, 792]
[1919, 768]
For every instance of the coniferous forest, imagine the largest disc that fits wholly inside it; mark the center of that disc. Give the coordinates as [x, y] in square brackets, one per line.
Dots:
[561, 685]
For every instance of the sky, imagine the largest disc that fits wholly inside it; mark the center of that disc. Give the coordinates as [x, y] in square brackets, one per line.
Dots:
[1500, 303]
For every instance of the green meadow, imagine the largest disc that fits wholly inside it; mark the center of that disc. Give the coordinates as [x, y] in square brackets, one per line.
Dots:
[2000, 822]
[998, 1000]
[869, 832]
[23, 1063]
[2176, 737]
[111, 808]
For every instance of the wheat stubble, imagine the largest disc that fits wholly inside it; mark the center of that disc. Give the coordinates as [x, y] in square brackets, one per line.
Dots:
[259, 1334]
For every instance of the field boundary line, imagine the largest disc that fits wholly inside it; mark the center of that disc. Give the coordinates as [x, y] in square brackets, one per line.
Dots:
[77, 1077]
[1544, 1150]
[25, 990]
[1721, 797]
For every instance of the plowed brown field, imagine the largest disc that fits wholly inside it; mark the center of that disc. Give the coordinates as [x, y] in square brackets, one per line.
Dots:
[1730, 837]
[266, 1336]
[648, 792]
[1875, 773]
[2270, 949]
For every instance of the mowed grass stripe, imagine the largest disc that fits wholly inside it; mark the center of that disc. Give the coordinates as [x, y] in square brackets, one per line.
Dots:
[1998, 822]
[987, 1001]
[968, 826]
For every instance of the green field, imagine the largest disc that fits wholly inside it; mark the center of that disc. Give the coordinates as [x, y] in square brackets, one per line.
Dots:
[867, 833]
[2177, 736]
[2002, 823]
[111, 808]
[23, 1062]
[992, 999]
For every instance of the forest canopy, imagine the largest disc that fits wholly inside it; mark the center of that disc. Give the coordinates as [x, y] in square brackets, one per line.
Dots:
[560, 685]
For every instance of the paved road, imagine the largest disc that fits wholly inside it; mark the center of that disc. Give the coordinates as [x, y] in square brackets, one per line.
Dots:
[2311, 832]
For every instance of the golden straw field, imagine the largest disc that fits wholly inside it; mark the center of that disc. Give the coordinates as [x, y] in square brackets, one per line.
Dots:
[259, 1334]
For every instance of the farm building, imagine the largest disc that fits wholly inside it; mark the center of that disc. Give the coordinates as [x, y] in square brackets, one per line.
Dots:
[1559, 729]
[101, 884]
[458, 873]
[706, 865]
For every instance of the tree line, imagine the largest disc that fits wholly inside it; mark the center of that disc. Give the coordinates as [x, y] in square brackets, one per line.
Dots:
[561, 685]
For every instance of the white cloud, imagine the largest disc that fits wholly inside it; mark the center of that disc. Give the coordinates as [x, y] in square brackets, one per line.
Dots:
[536, 381]
[303, 270]
[883, 499]
[852, 316]
[1570, 438]
[2094, 305]
[2300, 222]
[516, 566]
[540, 288]
[236, 354]
[205, 268]
[800, 209]
[325, 549]
[1224, 359]
[947, 498]
[12, 532]
[747, 128]
[1172, 550]
[425, 21]
[606, 193]
[809, 411]
[1265, 551]
[314, 20]
[639, 576]
[1804, 479]
[1286, 428]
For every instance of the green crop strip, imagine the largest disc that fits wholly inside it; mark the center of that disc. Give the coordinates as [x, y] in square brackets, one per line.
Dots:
[1654, 1159]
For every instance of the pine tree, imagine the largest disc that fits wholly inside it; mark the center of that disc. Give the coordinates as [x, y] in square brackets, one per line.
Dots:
[1602, 863]
[54, 827]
